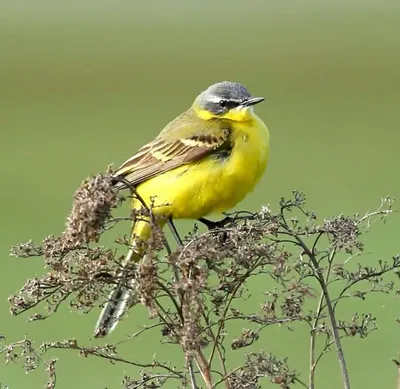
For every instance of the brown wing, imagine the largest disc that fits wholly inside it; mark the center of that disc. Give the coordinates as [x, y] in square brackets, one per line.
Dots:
[166, 153]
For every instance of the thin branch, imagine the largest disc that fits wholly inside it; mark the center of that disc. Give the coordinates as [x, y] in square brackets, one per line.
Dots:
[99, 352]
[136, 334]
[313, 362]
[222, 320]
[299, 381]
[313, 365]
[204, 368]
[192, 376]
[331, 312]
[364, 277]
[172, 298]
[226, 377]
[216, 342]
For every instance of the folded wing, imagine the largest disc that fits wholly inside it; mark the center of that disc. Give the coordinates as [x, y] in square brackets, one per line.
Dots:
[172, 149]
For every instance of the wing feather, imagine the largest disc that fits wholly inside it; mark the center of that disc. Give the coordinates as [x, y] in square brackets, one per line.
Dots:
[172, 149]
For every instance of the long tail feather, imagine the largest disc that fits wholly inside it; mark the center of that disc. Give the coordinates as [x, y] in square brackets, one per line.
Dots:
[119, 301]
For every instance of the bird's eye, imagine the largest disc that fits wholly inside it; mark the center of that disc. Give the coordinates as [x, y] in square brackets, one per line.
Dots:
[222, 103]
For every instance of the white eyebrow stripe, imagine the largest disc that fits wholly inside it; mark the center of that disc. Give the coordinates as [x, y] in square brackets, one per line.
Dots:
[217, 99]
[214, 99]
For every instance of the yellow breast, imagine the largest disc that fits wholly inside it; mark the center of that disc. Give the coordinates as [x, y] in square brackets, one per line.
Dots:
[212, 184]
[247, 162]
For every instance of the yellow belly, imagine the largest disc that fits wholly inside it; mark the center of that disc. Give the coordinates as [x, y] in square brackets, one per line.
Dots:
[211, 185]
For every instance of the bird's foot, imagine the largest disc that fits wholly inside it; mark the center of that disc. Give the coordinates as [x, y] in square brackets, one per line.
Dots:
[218, 224]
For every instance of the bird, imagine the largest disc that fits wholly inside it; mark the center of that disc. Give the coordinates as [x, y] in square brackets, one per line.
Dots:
[203, 162]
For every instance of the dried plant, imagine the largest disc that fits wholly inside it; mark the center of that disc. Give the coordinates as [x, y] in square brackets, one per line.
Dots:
[195, 292]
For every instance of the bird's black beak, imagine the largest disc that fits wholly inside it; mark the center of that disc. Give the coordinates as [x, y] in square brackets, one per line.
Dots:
[252, 101]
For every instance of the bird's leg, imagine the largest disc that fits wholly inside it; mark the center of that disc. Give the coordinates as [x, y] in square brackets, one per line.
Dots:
[174, 231]
[218, 224]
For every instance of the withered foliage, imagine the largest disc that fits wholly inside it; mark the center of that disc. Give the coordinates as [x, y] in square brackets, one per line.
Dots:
[195, 292]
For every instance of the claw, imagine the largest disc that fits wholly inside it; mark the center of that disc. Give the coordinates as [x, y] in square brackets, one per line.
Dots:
[218, 224]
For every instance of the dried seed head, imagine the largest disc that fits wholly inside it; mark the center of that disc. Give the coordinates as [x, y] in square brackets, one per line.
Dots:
[93, 202]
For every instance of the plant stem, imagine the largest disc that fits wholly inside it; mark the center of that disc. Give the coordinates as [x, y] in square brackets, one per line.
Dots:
[313, 361]
[204, 368]
[331, 312]
[311, 377]
[192, 376]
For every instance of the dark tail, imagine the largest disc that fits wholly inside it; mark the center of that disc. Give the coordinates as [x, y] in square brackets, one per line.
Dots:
[119, 301]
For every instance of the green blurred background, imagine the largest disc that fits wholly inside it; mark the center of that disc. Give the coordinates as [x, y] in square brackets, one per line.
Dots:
[86, 83]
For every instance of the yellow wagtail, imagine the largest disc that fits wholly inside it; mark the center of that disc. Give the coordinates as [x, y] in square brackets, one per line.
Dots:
[204, 161]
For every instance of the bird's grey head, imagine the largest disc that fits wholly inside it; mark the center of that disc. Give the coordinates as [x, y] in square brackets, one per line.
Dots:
[224, 96]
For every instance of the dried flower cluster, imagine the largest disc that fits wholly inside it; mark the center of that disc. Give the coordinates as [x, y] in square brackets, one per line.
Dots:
[194, 292]
[92, 206]
[258, 366]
